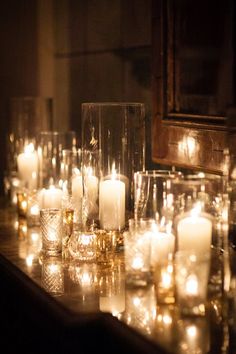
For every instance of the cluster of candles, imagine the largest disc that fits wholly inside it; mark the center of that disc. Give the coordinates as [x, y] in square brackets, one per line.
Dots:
[154, 250]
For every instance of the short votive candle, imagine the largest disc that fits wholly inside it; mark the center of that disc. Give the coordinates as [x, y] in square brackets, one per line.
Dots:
[52, 227]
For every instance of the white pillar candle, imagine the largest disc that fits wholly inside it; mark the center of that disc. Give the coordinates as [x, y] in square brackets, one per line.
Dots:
[162, 244]
[77, 187]
[194, 232]
[112, 204]
[50, 198]
[27, 163]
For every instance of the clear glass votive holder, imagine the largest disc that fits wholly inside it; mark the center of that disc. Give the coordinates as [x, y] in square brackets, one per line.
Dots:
[163, 278]
[52, 276]
[82, 246]
[137, 247]
[191, 279]
[51, 224]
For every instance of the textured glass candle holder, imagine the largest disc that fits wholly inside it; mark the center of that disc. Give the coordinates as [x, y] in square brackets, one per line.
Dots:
[51, 224]
[137, 247]
[82, 246]
[52, 275]
[84, 274]
[191, 277]
[33, 211]
[116, 133]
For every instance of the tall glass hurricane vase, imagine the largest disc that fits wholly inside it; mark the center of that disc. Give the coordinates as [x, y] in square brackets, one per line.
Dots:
[116, 133]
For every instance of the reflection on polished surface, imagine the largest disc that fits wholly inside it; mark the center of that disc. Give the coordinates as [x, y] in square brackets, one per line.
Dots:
[93, 288]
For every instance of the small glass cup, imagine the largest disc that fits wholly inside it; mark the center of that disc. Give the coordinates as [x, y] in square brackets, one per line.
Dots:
[51, 223]
[137, 242]
[191, 277]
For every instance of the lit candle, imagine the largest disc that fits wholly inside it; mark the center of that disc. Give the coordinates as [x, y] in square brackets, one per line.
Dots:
[27, 163]
[50, 198]
[162, 244]
[112, 204]
[191, 285]
[194, 232]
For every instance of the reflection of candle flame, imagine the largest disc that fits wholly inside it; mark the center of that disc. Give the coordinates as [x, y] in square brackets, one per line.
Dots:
[192, 285]
[191, 331]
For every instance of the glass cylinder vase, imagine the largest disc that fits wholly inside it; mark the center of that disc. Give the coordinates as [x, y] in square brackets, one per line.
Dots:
[27, 117]
[116, 133]
[51, 178]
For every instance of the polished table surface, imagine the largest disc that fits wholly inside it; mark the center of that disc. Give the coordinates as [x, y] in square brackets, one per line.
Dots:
[91, 308]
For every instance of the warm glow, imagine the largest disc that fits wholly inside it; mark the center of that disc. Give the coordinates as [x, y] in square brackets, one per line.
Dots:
[53, 268]
[34, 210]
[29, 148]
[166, 279]
[137, 263]
[29, 260]
[85, 240]
[191, 285]
[191, 331]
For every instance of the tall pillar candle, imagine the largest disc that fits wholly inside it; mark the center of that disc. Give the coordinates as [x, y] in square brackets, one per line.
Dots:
[112, 204]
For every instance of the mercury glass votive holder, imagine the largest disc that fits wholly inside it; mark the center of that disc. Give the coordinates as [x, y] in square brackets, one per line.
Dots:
[82, 246]
[52, 276]
[51, 224]
[191, 279]
[106, 247]
[22, 204]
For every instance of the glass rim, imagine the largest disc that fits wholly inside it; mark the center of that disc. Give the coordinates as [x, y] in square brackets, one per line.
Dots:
[158, 173]
[57, 132]
[104, 104]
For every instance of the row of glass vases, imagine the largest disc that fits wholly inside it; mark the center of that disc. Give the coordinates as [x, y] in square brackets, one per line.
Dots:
[93, 178]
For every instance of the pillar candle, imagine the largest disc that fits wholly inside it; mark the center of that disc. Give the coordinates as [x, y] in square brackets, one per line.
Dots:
[112, 204]
[27, 163]
[194, 232]
[50, 198]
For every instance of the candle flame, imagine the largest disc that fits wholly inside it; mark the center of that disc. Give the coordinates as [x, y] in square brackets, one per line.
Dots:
[192, 285]
[29, 148]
